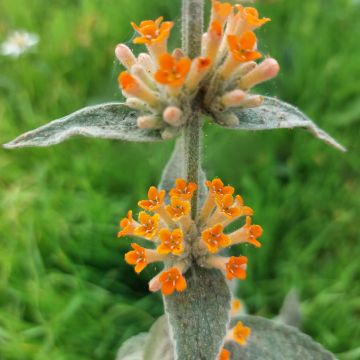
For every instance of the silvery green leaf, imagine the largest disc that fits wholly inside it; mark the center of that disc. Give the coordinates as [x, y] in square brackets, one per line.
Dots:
[159, 344]
[199, 316]
[276, 114]
[175, 168]
[133, 348]
[109, 121]
[273, 341]
[290, 313]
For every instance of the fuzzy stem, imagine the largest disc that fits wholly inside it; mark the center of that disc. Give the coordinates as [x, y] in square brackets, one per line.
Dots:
[192, 28]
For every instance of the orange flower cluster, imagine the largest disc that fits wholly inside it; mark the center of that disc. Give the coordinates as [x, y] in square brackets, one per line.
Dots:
[171, 228]
[161, 84]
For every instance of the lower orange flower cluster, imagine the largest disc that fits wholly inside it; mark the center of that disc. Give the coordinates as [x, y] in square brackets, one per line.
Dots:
[179, 239]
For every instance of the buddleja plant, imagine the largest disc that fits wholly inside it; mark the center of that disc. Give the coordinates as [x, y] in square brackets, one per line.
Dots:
[184, 220]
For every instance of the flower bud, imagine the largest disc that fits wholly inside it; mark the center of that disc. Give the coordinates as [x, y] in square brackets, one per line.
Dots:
[267, 70]
[143, 75]
[148, 122]
[178, 54]
[173, 116]
[229, 119]
[136, 104]
[125, 56]
[146, 62]
[169, 133]
[233, 98]
[252, 101]
[198, 70]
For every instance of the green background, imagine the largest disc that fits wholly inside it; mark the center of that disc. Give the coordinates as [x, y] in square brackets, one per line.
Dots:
[65, 292]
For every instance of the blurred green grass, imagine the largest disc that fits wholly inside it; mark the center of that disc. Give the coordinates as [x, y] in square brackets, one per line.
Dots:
[65, 292]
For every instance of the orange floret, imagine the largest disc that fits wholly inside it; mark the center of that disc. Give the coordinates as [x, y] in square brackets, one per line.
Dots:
[183, 190]
[214, 238]
[152, 31]
[226, 206]
[137, 257]
[217, 188]
[224, 354]
[240, 333]
[255, 231]
[251, 16]
[149, 225]
[236, 268]
[178, 208]
[245, 210]
[172, 280]
[171, 242]
[172, 72]
[155, 199]
[127, 225]
[235, 306]
[216, 28]
[220, 10]
[127, 82]
[242, 48]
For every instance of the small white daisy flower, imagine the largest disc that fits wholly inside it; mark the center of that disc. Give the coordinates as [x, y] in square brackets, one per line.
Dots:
[18, 42]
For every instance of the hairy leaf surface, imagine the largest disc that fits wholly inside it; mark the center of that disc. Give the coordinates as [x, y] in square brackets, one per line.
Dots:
[109, 121]
[276, 114]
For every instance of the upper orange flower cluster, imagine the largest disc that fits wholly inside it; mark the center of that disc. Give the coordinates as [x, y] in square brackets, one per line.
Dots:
[170, 225]
[154, 81]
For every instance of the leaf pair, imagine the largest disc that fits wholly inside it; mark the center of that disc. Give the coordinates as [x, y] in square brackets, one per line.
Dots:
[116, 121]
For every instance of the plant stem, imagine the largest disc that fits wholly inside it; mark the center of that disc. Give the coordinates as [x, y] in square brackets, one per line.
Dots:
[192, 28]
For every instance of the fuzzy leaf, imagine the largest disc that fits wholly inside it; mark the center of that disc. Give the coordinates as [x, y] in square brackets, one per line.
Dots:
[175, 168]
[272, 341]
[159, 344]
[276, 114]
[109, 121]
[133, 348]
[199, 315]
[290, 313]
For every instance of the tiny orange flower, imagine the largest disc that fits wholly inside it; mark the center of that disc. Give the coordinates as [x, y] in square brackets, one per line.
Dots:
[172, 72]
[183, 190]
[255, 231]
[226, 206]
[152, 31]
[178, 208]
[216, 28]
[245, 210]
[214, 238]
[221, 10]
[155, 199]
[127, 224]
[240, 333]
[217, 188]
[137, 257]
[242, 48]
[171, 242]
[224, 354]
[172, 280]
[149, 225]
[235, 306]
[251, 16]
[127, 82]
[236, 268]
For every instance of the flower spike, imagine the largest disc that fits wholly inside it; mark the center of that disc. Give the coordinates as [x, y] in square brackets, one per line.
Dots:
[181, 238]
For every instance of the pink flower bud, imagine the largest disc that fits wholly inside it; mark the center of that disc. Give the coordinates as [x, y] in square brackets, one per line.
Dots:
[233, 98]
[146, 62]
[125, 56]
[136, 104]
[173, 116]
[252, 101]
[178, 54]
[267, 70]
[148, 122]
